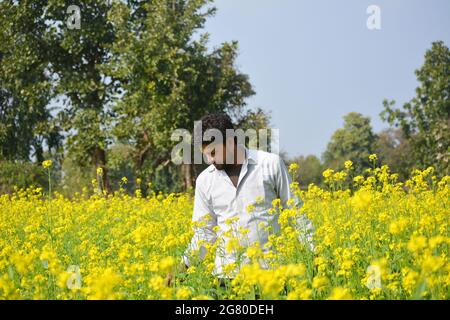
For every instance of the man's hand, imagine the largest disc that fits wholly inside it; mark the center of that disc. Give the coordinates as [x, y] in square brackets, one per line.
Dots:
[171, 275]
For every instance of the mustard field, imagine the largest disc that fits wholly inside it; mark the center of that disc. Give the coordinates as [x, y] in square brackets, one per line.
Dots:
[375, 238]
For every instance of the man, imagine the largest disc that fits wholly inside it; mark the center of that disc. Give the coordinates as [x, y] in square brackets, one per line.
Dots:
[239, 184]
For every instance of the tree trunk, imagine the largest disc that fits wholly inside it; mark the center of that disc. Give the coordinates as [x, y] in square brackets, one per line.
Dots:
[99, 158]
[187, 172]
[142, 149]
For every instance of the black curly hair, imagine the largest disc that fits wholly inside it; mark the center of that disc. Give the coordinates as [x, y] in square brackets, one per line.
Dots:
[219, 121]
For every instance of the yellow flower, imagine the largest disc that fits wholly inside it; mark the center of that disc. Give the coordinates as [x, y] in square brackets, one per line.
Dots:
[191, 270]
[358, 179]
[62, 279]
[259, 199]
[306, 294]
[102, 286]
[276, 203]
[397, 227]
[397, 230]
[410, 278]
[339, 176]
[202, 297]
[432, 263]
[47, 163]
[100, 171]
[157, 283]
[22, 262]
[251, 208]
[253, 252]
[232, 245]
[166, 264]
[328, 173]
[417, 243]
[319, 282]
[293, 167]
[340, 294]
[230, 268]
[373, 157]
[348, 164]
[183, 293]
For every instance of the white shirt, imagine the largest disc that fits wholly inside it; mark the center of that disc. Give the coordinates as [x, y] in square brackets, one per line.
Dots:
[263, 178]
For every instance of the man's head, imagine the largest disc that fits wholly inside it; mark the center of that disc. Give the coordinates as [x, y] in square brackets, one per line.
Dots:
[217, 148]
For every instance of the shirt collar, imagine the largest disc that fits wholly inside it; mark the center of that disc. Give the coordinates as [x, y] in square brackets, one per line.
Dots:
[251, 156]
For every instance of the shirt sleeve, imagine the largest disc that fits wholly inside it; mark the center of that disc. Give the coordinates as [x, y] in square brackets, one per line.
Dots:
[204, 220]
[283, 186]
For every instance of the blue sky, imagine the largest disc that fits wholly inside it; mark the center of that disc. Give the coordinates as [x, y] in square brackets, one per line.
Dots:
[311, 62]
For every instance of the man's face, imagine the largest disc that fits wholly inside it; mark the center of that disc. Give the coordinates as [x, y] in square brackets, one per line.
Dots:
[216, 154]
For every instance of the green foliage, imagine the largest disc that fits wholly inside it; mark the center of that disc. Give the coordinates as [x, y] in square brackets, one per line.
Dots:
[119, 165]
[174, 80]
[137, 70]
[425, 120]
[21, 174]
[309, 170]
[132, 73]
[355, 142]
[80, 62]
[167, 178]
[394, 150]
[26, 124]
[75, 177]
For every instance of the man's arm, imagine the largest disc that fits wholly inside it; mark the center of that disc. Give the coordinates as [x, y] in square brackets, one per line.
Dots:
[203, 234]
[283, 182]
[205, 220]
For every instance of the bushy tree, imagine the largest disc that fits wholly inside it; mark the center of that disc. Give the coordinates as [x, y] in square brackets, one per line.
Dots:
[26, 123]
[130, 73]
[172, 80]
[394, 150]
[309, 170]
[354, 141]
[425, 120]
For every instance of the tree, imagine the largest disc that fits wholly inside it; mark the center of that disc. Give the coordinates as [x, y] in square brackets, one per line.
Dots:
[46, 55]
[252, 119]
[131, 72]
[171, 80]
[80, 64]
[26, 124]
[425, 120]
[394, 149]
[355, 142]
[309, 170]
[21, 174]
